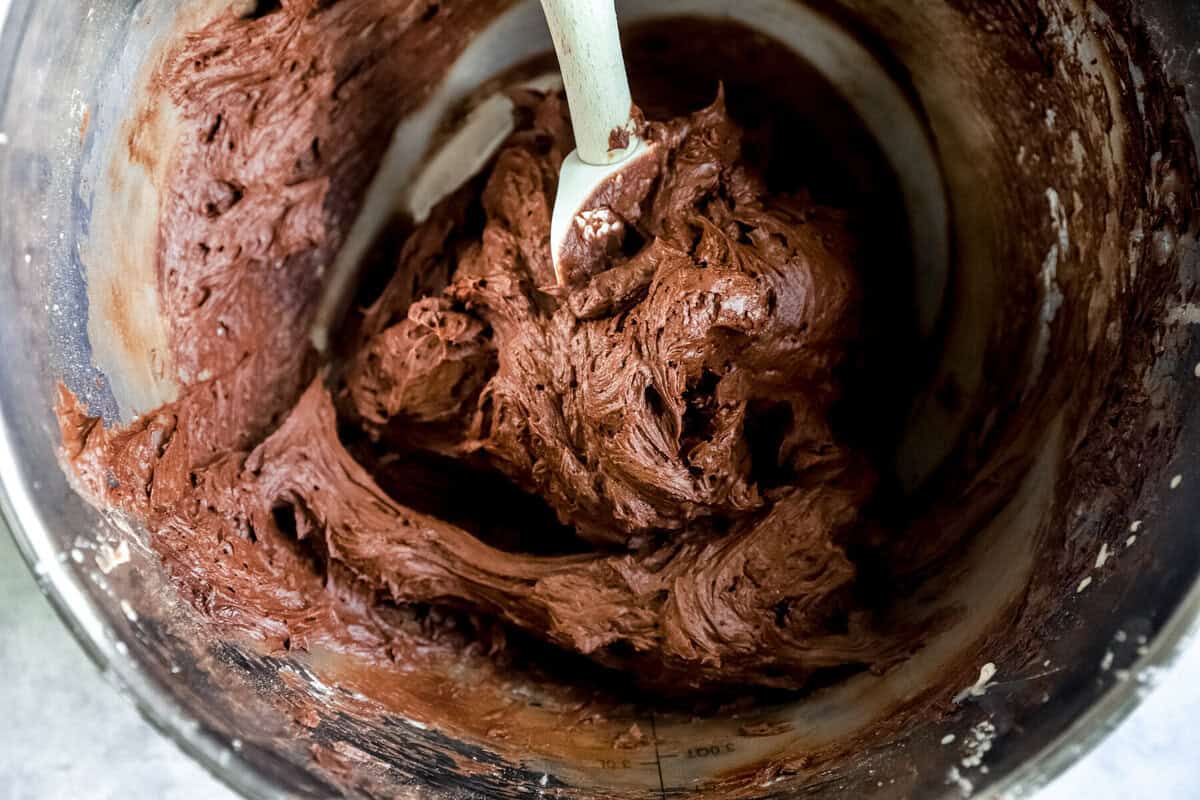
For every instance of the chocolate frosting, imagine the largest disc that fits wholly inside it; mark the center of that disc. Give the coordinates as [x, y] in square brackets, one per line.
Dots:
[671, 404]
[397, 518]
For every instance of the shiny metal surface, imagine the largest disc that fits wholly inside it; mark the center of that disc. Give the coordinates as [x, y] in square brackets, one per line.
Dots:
[50, 522]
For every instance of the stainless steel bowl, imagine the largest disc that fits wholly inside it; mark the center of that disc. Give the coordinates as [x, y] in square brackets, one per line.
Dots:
[949, 92]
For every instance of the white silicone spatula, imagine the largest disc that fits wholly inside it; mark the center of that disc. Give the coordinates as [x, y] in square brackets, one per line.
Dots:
[593, 71]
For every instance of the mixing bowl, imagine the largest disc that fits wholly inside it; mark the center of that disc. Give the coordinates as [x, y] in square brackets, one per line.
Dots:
[1043, 156]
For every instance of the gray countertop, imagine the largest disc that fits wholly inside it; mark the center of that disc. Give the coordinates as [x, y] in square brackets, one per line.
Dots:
[66, 728]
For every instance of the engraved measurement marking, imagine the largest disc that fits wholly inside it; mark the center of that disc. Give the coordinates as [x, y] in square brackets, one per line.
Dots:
[715, 750]
[662, 787]
[711, 751]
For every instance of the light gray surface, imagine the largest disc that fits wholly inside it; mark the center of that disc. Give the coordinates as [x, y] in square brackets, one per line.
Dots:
[68, 734]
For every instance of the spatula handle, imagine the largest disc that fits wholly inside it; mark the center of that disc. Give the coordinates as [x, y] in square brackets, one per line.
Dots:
[593, 69]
